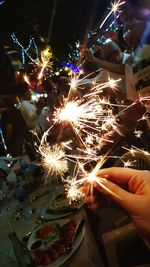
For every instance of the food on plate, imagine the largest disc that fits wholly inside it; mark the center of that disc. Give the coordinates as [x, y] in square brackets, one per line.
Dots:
[62, 204]
[37, 244]
[48, 232]
[60, 247]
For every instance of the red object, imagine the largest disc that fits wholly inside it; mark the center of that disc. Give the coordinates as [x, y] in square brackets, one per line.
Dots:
[53, 254]
[45, 230]
[39, 258]
[46, 260]
[61, 250]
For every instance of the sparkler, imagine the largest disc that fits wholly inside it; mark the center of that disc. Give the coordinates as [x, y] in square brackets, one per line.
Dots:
[73, 189]
[53, 158]
[93, 122]
[134, 150]
[53, 161]
[46, 56]
[85, 118]
[115, 7]
[99, 87]
[128, 163]
[26, 79]
[74, 186]
[138, 133]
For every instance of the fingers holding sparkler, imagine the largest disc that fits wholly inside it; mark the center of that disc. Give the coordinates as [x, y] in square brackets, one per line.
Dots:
[124, 185]
[135, 200]
[111, 183]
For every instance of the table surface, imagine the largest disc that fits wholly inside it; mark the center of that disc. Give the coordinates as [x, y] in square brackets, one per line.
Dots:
[87, 253]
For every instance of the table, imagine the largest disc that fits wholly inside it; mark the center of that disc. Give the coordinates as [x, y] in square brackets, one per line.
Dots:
[86, 255]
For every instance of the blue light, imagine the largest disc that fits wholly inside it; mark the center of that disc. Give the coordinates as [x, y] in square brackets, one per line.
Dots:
[71, 66]
[2, 2]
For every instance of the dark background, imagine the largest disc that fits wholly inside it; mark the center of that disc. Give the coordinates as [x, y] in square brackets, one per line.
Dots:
[59, 22]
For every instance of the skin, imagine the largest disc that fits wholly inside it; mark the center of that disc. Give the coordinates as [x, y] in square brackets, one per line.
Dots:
[111, 66]
[135, 200]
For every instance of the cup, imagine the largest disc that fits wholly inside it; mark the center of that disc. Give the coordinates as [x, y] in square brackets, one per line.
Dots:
[36, 245]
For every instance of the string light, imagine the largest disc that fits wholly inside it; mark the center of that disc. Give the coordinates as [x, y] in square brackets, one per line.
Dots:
[24, 51]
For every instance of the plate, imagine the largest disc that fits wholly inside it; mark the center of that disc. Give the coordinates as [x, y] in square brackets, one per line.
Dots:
[35, 234]
[77, 239]
[59, 207]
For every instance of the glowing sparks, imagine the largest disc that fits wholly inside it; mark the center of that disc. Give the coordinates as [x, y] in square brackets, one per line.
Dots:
[71, 112]
[46, 56]
[99, 87]
[138, 133]
[129, 163]
[26, 79]
[93, 122]
[115, 7]
[73, 190]
[133, 150]
[54, 161]
[53, 158]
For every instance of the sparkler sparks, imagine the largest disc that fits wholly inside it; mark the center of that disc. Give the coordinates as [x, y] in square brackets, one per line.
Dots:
[138, 133]
[74, 186]
[87, 117]
[93, 121]
[134, 150]
[54, 161]
[73, 190]
[115, 7]
[45, 62]
[53, 158]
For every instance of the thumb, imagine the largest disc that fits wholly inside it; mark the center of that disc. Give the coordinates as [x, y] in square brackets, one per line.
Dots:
[118, 194]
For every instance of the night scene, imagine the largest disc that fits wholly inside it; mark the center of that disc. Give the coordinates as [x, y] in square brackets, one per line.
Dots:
[75, 133]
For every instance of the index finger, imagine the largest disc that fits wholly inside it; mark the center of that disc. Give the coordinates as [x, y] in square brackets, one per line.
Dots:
[119, 175]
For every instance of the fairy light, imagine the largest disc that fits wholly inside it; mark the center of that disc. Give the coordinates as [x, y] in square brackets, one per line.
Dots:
[25, 51]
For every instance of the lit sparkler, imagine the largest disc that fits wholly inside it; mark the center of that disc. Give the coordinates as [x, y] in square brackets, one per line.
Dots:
[73, 189]
[74, 186]
[93, 122]
[115, 7]
[128, 163]
[45, 62]
[26, 79]
[138, 133]
[53, 161]
[134, 150]
[87, 118]
[98, 87]
[53, 158]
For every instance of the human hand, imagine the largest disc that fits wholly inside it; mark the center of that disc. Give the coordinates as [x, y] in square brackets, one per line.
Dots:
[87, 53]
[135, 200]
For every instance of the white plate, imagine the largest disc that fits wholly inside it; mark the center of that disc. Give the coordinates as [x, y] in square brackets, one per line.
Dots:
[34, 236]
[62, 259]
[46, 215]
[76, 244]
